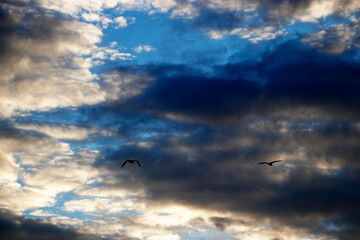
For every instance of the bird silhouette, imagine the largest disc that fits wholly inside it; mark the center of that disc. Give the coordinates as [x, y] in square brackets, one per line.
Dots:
[270, 163]
[130, 161]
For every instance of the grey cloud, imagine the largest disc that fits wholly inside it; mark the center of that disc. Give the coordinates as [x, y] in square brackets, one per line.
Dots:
[335, 39]
[218, 170]
[221, 222]
[293, 104]
[222, 18]
[13, 227]
[291, 81]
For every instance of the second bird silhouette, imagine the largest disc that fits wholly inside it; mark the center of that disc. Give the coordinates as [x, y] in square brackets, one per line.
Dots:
[270, 163]
[130, 161]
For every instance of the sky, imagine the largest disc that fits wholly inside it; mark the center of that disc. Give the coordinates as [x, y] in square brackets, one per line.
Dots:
[200, 92]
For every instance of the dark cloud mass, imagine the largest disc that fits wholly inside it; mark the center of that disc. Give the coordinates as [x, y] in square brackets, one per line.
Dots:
[291, 79]
[13, 227]
[303, 109]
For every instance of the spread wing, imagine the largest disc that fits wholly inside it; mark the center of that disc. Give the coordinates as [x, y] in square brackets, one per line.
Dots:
[138, 162]
[262, 163]
[124, 163]
[276, 161]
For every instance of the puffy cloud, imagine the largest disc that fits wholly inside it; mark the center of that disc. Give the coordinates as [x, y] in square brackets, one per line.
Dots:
[111, 53]
[44, 64]
[91, 17]
[313, 10]
[110, 205]
[163, 5]
[9, 168]
[63, 177]
[185, 9]
[121, 22]
[145, 48]
[43, 168]
[336, 38]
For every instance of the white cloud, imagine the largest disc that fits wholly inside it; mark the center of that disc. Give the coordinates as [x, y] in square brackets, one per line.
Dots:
[104, 228]
[216, 34]
[44, 166]
[111, 54]
[120, 22]
[87, 205]
[336, 38]
[51, 73]
[145, 48]
[62, 131]
[42, 213]
[73, 8]
[113, 44]
[110, 192]
[106, 21]
[231, 5]
[317, 10]
[66, 221]
[254, 35]
[9, 168]
[163, 5]
[185, 10]
[54, 72]
[19, 199]
[91, 17]
[257, 34]
[108, 205]
[61, 177]
[287, 11]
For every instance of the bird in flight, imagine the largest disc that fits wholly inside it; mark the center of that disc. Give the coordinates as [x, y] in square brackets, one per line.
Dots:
[130, 161]
[270, 163]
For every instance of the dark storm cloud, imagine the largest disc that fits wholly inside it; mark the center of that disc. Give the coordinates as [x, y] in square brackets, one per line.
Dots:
[13, 227]
[287, 82]
[187, 95]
